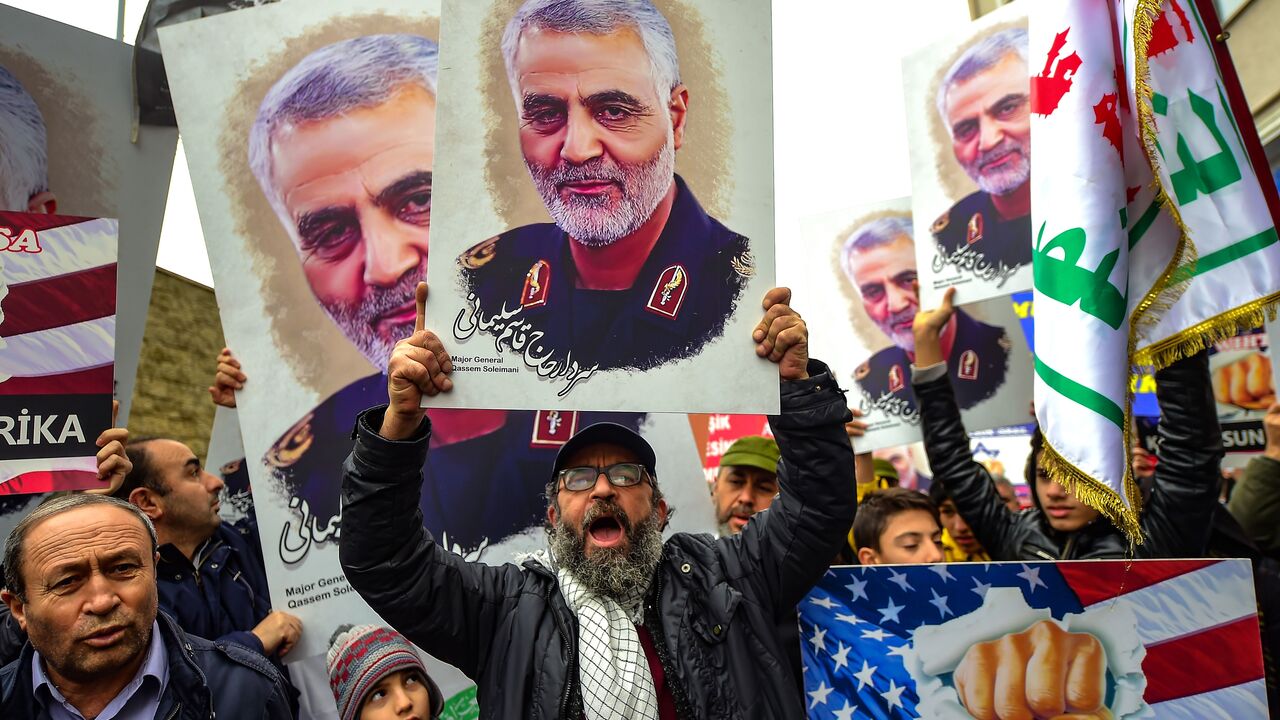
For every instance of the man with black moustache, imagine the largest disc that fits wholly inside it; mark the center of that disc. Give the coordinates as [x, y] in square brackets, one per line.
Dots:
[612, 622]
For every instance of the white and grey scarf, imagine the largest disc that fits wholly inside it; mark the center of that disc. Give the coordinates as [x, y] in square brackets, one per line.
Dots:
[612, 669]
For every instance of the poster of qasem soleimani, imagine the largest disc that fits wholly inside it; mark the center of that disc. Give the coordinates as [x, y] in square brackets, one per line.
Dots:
[861, 280]
[604, 231]
[57, 348]
[968, 115]
[311, 147]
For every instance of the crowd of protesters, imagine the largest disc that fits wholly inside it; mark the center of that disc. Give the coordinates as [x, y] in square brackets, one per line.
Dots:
[137, 600]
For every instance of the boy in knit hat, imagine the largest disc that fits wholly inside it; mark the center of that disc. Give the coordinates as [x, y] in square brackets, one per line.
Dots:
[376, 674]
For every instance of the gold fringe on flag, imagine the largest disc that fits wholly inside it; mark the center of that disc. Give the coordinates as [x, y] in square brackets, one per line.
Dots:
[1095, 494]
[1165, 292]
[1168, 289]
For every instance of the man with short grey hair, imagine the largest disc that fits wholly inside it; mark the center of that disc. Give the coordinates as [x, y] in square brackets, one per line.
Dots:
[631, 255]
[80, 579]
[984, 103]
[24, 151]
[878, 259]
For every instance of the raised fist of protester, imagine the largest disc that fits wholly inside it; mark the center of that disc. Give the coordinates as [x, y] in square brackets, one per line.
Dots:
[113, 463]
[927, 328]
[419, 366]
[278, 632]
[1041, 672]
[1245, 383]
[782, 336]
[227, 379]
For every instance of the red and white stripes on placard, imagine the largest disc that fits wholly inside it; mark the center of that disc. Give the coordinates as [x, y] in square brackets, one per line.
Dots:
[1203, 660]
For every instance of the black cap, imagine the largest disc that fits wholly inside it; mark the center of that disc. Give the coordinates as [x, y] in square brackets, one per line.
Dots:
[613, 434]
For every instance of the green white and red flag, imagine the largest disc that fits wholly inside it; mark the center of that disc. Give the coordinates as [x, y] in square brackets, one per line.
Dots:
[1153, 220]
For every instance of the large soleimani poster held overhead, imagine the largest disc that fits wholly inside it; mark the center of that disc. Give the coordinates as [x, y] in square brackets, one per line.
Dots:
[968, 99]
[603, 234]
[860, 282]
[311, 147]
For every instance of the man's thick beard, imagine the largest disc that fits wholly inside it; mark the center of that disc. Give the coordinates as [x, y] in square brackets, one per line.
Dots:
[1004, 180]
[622, 573]
[359, 322]
[600, 221]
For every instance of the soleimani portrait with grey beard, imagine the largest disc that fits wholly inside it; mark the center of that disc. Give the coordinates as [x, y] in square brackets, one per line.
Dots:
[343, 148]
[878, 259]
[632, 273]
[984, 102]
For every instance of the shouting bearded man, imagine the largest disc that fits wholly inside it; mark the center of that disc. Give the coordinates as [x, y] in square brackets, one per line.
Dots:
[613, 622]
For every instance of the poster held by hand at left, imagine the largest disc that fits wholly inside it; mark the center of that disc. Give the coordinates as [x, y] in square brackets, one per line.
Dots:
[57, 347]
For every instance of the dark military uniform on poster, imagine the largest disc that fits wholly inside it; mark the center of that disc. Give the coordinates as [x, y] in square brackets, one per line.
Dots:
[684, 294]
[977, 364]
[973, 223]
[482, 489]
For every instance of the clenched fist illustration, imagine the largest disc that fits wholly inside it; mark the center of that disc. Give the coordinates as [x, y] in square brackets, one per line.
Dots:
[1245, 383]
[1041, 673]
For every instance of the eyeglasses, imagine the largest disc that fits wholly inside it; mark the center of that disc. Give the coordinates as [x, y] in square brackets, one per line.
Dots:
[624, 474]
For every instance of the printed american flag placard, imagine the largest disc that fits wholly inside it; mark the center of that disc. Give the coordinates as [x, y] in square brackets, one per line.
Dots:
[1104, 639]
[57, 348]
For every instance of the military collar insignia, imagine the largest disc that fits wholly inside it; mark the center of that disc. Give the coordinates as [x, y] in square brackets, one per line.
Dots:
[896, 382]
[553, 428]
[293, 445]
[537, 285]
[968, 365]
[668, 292]
[974, 232]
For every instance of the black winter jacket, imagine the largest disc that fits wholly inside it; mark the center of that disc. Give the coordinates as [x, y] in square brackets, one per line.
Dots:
[204, 678]
[713, 608]
[1175, 520]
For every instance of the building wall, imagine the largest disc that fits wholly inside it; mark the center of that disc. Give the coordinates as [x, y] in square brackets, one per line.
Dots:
[179, 352]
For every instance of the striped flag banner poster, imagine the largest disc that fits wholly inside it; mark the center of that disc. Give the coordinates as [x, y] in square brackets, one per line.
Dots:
[1100, 639]
[57, 349]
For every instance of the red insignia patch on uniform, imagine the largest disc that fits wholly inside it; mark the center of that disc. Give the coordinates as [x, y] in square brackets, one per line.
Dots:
[974, 232]
[968, 365]
[896, 382]
[553, 428]
[537, 285]
[668, 292]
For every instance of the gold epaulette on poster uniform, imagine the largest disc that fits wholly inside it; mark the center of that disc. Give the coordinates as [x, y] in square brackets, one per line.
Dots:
[477, 256]
[744, 264]
[862, 371]
[293, 445]
[941, 223]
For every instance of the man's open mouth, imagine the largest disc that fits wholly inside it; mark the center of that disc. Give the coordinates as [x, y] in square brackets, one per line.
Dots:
[605, 531]
[105, 637]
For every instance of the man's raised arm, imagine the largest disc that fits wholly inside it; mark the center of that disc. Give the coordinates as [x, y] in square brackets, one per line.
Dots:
[786, 549]
[443, 604]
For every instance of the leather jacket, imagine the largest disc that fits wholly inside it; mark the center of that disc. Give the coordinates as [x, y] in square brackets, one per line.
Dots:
[1175, 520]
